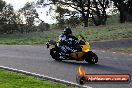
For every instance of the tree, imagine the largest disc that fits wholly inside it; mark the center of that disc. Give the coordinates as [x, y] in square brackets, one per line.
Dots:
[2, 5]
[66, 17]
[84, 7]
[8, 18]
[43, 26]
[74, 20]
[125, 9]
[30, 15]
[60, 16]
[98, 11]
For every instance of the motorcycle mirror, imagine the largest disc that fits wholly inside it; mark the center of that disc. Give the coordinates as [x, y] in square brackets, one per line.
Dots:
[47, 44]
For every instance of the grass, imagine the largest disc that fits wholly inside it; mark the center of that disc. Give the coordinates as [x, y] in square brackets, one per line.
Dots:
[109, 32]
[31, 38]
[10, 79]
[125, 50]
[92, 33]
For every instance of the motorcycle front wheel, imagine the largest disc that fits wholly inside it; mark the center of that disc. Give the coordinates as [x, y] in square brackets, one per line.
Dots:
[91, 58]
[54, 52]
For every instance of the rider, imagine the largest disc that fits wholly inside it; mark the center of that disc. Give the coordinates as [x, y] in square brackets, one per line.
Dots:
[68, 42]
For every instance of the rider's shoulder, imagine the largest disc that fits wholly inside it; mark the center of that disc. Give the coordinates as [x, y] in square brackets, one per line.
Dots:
[74, 37]
[62, 34]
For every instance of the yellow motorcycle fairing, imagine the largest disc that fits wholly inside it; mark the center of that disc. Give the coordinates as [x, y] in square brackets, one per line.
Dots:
[77, 55]
[86, 47]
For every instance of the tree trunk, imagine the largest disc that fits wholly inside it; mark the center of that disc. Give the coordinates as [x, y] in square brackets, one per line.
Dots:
[94, 20]
[122, 17]
[125, 15]
[121, 9]
[85, 20]
[128, 17]
[86, 23]
[104, 17]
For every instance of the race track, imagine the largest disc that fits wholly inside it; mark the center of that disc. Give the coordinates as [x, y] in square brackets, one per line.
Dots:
[36, 59]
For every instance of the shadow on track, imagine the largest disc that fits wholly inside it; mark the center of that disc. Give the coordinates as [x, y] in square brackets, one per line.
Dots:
[97, 67]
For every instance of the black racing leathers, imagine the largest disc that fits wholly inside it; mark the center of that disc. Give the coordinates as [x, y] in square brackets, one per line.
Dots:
[68, 43]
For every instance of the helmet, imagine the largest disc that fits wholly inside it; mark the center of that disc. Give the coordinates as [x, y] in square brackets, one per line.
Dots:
[67, 31]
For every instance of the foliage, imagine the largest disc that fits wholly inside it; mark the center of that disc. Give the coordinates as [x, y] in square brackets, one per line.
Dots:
[100, 33]
[98, 13]
[30, 14]
[125, 9]
[2, 4]
[66, 17]
[43, 27]
[22, 21]
[8, 18]
[73, 21]
[60, 17]
[84, 7]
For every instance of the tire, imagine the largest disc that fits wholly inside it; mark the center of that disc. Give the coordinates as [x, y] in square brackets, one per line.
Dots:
[81, 80]
[91, 58]
[54, 52]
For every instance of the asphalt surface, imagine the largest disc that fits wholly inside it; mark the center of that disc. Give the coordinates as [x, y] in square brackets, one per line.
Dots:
[121, 43]
[36, 59]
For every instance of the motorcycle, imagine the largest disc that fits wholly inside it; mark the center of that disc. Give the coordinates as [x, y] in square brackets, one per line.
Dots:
[83, 52]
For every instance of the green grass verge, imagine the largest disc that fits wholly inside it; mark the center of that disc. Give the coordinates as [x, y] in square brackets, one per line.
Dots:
[108, 32]
[125, 50]
[92, 33]
[31, 38]
[9, 79]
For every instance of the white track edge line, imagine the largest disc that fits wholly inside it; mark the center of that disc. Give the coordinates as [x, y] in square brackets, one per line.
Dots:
[44, 77]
